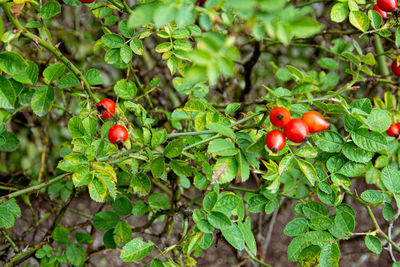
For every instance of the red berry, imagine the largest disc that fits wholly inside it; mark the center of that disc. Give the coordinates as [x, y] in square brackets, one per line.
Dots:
[387, 5]
[296, 130]
[279, 116]
[201, 1]
[118, 135]
[316, 200]
[106, 108]
[395, 68]
[86, 1]
[275, 141]
[380, 11]
[315, 121]
[393, 130]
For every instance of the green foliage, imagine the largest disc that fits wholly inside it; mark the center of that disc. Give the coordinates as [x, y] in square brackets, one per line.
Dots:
[174, 69]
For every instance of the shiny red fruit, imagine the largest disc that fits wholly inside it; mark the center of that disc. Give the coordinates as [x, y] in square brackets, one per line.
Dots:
[201, 1]
[380, 11]
[296, 130]
[393, 130]
[395, 68]
[275, 140]
[279, 116]
[106, 108]
[315, 121]
[86, 1]
[387, 5]
[118, 134]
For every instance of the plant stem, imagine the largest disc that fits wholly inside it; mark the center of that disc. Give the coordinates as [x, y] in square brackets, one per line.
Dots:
[24, 255]
[211, 131]
[34, 188]
[36, 39]
[255, 259]
[10, 240]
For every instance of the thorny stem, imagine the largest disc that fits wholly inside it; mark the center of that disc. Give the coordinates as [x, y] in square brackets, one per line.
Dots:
[33, 188]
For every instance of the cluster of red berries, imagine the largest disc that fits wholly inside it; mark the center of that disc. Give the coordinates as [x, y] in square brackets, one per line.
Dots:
[394, 130]
[117, 134]
[296, 130]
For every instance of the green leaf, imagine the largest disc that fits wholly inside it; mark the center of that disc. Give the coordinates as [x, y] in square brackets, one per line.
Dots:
[379, 120]
[136, 250]
[49, 10]
[125, 30]
[126, 54]
[53, 72]
[344, 222]
[287, 163]
[83, 238]
[232, 107]
[353, 169]
[308, 170]
[225, 170]
[219, 220]
[328, 63]
[112, 40]
[185, 16]
[75, 254]
[164, 14]
[339, 12]
[122, 206]
[257, 203]
[376, 19]
[222, 147]
[306, 152]
[320, 223]
[105, 220]
[174, 149]
[158, 138]
[209, 201]
[234, 236]
[7, 93]
[356, 154]
[372, 196]
[314, 209]
[157, 167]
[93, 76]
[75, 127]
[227, 203]
[158, 201]
[391, 178]
[330, 255]
[248, 235]
[60, 235]
[42, 100]
[122, 233]
[388, 212]
[141, 184]
[125, 90]
[373, 243]
[69, 80]
[370, 141]
[136, 46]
[329, 141]
[296, 227]
[12, 63]
[222, 129]
[359, 20]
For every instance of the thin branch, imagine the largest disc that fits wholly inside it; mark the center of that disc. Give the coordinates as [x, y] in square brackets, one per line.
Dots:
[33, 188]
